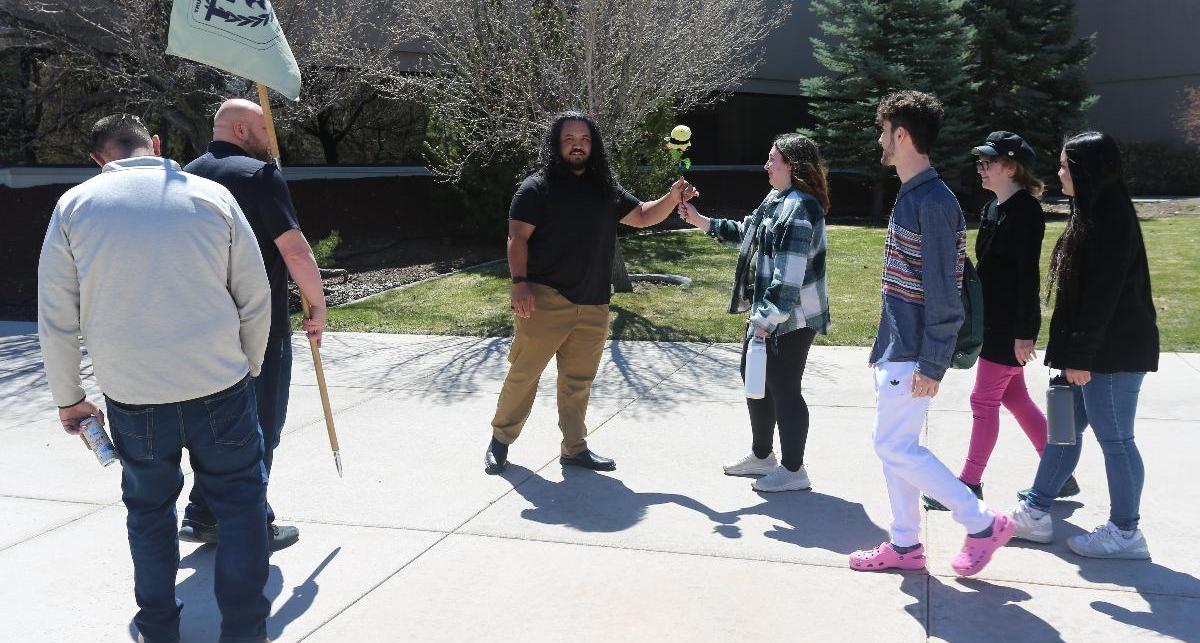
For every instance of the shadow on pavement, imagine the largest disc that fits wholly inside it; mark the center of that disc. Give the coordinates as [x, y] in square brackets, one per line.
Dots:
[201, 620]
[817, 520]
[589, 501]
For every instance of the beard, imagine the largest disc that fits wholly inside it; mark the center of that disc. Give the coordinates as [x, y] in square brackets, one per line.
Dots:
[258, 149]
[885, 158]
[261, 153]
[576, 162]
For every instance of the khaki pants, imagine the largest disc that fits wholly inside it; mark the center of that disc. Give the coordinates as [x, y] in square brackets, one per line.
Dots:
[573, 334]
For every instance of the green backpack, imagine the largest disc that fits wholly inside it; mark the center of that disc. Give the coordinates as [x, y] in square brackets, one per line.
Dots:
[970, 334]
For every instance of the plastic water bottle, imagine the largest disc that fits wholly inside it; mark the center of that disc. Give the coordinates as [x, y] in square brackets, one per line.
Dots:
[1060, 412]
[756, 368]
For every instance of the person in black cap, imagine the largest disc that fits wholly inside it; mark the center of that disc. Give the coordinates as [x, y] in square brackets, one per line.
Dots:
[1008, 250]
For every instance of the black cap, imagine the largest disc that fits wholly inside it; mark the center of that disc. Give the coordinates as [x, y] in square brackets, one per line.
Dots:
[1008, 145]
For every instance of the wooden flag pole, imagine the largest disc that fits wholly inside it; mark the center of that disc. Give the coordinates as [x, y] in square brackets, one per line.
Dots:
[273, 142]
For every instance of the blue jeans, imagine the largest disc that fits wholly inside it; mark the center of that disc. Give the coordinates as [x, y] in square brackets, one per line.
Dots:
[224, 445]
[271, 389]
[1108, 403]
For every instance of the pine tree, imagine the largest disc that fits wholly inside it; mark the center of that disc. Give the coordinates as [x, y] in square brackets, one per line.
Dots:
[1028, 68]
[874, 47]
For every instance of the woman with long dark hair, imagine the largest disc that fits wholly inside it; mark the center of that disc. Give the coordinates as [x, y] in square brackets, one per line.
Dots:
[780, 282]
[1104, 336]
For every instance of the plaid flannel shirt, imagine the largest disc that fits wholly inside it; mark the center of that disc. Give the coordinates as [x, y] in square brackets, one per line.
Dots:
[783, 243]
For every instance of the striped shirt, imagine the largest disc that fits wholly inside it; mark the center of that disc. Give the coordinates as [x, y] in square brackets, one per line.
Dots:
[902, 263]
[924, 253]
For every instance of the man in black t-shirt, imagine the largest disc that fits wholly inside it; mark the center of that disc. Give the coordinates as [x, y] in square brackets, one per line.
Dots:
[562, 234]
[238, 158]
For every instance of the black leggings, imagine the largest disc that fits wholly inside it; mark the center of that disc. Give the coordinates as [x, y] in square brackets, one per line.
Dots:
[784, 403]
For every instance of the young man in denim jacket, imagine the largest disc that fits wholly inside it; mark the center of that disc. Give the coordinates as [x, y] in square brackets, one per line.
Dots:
[924, 253]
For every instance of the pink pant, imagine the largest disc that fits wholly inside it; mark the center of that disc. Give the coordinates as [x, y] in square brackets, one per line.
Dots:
[997, 384]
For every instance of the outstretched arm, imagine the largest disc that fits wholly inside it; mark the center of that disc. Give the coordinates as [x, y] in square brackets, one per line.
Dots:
[650, 213]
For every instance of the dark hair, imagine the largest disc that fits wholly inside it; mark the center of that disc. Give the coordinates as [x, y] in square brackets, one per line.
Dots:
[808, 170]
[1101, 198]
[550, 161]
[125, 132]
[920, 115]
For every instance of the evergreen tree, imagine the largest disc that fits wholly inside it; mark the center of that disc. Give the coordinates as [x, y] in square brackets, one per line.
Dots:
[1028, 68]
[874, 47]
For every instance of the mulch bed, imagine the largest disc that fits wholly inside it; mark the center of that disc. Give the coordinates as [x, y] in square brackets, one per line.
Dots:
[372, 270]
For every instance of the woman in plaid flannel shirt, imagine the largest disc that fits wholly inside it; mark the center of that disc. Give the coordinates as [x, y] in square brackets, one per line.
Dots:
[780, 282]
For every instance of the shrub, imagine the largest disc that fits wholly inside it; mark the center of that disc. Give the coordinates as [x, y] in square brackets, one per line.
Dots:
[1162, 169]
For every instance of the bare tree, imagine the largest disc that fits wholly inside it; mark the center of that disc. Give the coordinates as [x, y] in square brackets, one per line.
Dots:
[496, 71]
[115, 48]
[343, 56]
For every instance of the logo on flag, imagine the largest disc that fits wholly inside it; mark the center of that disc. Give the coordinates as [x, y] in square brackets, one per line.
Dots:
[244, 24]
[242, 37]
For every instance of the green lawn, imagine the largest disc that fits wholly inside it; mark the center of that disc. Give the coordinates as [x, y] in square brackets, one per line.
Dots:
[475, 302]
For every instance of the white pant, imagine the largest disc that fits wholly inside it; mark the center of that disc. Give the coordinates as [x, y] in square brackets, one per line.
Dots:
[908, 467]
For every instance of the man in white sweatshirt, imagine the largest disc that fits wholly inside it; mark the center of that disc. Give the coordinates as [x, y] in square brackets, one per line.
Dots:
[161, 275]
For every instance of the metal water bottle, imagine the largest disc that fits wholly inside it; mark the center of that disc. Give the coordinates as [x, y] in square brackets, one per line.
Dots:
[1060, 411]
[98, 441]
[756, 368]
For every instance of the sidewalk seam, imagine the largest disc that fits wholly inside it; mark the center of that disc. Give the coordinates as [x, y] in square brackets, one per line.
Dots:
[487, 506]
[72, 521]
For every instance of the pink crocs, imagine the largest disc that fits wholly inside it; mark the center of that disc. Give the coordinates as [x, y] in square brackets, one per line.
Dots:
[977, 552]
[884, 557]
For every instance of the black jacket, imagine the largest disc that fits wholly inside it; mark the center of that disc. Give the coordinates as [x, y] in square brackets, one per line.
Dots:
[1007, 256]
[1104, 318]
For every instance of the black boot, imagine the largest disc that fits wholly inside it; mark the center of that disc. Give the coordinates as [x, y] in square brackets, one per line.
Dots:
[495, 459]
[588, 460]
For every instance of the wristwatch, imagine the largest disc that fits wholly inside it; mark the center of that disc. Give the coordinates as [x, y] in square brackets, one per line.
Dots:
[520, 280]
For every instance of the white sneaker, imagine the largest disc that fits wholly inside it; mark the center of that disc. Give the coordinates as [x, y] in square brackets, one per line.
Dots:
[783, 480]
[1029, 526]
[752, 466]
[1106, 541]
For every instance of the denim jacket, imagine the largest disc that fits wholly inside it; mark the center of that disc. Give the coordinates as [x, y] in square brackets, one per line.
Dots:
[924, 251]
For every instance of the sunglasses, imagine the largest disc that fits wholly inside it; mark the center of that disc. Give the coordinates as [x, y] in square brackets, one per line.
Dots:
[982, 165]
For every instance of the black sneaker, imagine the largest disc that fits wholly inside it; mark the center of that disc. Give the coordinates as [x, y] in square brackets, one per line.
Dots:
[281, 537]
[1069, 488]
[194, 532]
[933, 505]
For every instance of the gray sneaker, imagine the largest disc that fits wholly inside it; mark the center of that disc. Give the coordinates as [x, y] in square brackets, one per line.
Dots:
[783, 480]
[752, 466]
[1106, 541]
[1031, 526]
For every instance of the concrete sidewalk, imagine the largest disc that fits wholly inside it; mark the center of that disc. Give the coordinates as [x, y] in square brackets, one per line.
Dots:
[418, 544]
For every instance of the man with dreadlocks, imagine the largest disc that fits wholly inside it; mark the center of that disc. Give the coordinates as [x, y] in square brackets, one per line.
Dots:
[562, 233]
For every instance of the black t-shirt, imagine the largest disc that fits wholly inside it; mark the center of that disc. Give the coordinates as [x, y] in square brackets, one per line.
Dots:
[1008, 254]
[263, 196]
[571, 249]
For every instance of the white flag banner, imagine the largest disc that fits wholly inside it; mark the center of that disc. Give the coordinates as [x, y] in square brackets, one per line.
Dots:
[242, 37]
